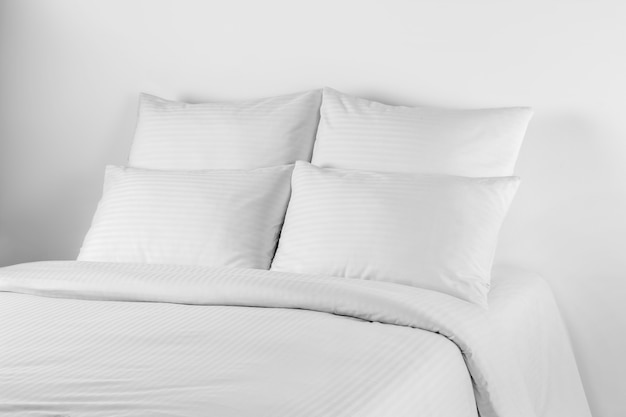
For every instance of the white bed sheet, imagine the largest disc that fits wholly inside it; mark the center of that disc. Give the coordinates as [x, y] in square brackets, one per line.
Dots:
[200, 346]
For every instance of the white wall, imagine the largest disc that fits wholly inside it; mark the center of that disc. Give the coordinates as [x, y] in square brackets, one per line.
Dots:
[70, 71]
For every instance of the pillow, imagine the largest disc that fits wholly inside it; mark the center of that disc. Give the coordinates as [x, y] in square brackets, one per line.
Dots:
[355, 133]
[229, 218]
[429, 231]
[273, 131]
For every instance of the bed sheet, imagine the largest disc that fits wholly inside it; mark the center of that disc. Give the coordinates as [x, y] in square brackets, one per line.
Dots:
[96, 339]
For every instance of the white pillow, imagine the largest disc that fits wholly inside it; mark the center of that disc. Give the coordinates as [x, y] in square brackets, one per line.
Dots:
[355, 133]
[429, 231]
[228, 218]
[240, 135]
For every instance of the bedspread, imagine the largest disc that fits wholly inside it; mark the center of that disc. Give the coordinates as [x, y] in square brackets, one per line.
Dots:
[103, 339]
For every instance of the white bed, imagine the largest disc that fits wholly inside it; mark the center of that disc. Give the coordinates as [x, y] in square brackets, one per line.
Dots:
[103, 339]
[398, 217]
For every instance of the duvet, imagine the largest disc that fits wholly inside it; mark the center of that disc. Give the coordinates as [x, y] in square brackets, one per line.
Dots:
[102, 339]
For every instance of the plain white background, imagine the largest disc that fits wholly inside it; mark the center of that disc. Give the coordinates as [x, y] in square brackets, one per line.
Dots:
[70, 72]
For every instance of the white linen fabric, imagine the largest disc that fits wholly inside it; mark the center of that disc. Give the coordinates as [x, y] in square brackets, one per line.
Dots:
[356, 133]
[216, 217]
[524, 313]
[136, 340]
[429, 231]
[240, 135]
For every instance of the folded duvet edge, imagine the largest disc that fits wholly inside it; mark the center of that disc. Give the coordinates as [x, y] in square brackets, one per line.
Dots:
[498, 382]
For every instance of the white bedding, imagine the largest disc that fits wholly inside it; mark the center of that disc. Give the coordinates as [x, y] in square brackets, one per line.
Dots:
[75, 341]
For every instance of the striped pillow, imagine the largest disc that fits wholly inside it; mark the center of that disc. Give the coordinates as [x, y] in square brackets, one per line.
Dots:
[428, 231]
[243, 135]
[229, 218]
[355, 133]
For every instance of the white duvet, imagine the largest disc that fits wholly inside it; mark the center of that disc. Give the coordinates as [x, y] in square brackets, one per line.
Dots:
[99, 339]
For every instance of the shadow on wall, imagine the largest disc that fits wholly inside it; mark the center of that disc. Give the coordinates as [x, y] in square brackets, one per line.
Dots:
[49, 225]
[46, 208]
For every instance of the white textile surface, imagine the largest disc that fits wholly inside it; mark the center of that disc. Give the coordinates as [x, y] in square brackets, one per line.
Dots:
[76, 341]
[225, 135]
[437, 232]
[220, 217]
[355, 133]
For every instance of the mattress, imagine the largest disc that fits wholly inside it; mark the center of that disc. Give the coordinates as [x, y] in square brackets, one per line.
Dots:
[105, 339]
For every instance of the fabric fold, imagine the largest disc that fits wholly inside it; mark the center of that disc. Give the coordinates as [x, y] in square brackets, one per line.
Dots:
[498, 382]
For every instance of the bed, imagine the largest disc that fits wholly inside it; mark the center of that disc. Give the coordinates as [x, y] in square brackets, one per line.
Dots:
[315, 254]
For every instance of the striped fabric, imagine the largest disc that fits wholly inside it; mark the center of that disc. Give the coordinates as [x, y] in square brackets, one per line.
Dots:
[242, 135]
[355, 133]
[429, 231]
[164, 340]
[218, 218]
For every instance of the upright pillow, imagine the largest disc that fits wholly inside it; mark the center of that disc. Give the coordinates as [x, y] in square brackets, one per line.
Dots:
[355, 133]
[228, 218]
[429, 231]
[171, 135]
